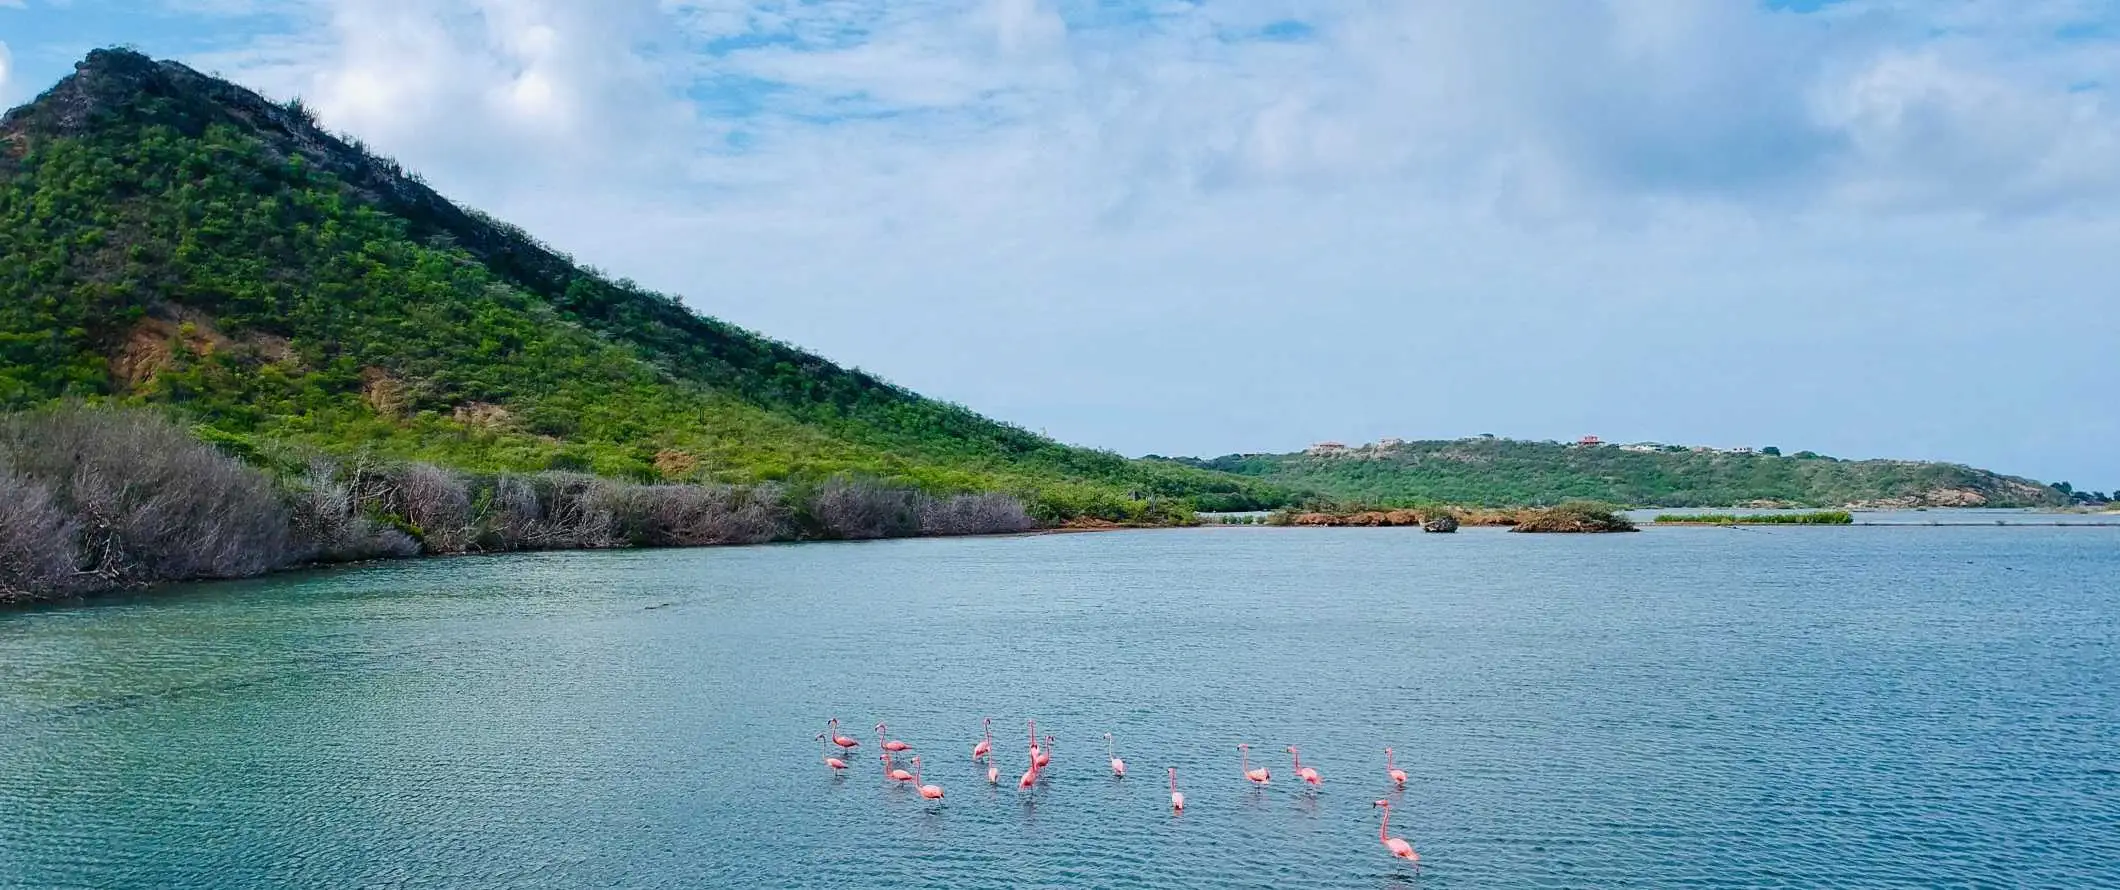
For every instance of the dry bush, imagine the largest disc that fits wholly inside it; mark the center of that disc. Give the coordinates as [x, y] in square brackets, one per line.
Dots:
[37, 539]
[328, 528]
[436, 503]
[513, 514]
[575, 511]
[151, 503]
[974, 514]
[700, 515]
[861, 509]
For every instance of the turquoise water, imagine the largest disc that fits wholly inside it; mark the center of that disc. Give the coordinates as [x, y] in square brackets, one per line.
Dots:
[1936, 516]
[1846, 707]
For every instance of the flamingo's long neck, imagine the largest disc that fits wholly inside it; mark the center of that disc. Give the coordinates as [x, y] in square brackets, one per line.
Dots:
[1244, 755]
[916, 771]
[1388, 762]
[1173, 781]
[1384, 830]
[1298, 755]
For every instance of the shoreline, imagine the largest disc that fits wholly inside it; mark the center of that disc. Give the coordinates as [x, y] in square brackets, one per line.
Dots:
[93, 597]
[1931, 524]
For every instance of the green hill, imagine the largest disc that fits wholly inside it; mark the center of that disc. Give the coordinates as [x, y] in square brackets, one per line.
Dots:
[173, 240]
[1505, 472]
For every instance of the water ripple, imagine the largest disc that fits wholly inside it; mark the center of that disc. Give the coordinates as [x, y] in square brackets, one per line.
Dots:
[1837, 707]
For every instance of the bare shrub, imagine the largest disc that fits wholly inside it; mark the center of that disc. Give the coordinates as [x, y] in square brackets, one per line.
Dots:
[327, 526]
[37, 539]
[974, 514]
[576, 510]
[435, 502]
[860, 509]
[513, 514]
[701, 515]
[151, 502]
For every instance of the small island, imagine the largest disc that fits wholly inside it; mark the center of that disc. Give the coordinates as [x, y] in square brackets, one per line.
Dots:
[1820, 517]
[1571, 517]
[1581, 517]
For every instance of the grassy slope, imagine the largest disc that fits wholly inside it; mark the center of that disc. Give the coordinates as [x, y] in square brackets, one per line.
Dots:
[173, 239]
[1502, 472]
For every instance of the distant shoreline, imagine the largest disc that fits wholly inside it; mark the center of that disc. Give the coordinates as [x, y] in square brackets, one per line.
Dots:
[1929, 524]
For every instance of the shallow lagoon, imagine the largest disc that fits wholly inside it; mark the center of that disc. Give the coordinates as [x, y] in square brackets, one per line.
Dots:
[1851, 707]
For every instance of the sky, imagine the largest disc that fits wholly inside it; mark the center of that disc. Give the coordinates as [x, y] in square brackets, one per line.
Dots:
[1869, 228]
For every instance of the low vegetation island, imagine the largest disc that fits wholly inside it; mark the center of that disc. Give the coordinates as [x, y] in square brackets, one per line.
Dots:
[1574, 516]
[1821, 517]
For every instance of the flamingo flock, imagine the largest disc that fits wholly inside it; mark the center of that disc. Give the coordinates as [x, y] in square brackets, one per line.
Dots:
[1039, 757]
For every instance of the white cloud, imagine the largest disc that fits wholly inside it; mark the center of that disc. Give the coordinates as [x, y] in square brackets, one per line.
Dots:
[6, 62]
[1514, 107]
[1925, 134]
[487, 91]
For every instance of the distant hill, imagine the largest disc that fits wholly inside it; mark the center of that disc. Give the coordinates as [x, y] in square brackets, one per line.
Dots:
[171, 239]
[1505, 472]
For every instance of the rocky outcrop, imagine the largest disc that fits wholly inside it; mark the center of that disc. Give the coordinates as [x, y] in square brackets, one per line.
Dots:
[1441, 523]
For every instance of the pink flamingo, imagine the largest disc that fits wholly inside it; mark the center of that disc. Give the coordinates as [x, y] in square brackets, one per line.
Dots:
[1258, 776]
[931, 792]
[1110, 747]
[1030, 776]
[1398, 776]
[1177, 798]
[1397, 845]
[833, 762]
[1303, 772]
[993, 774]
[844, 742]
[892, 745]
[1045, 755]
[895, 774]
[1034, 744]
[986, 745]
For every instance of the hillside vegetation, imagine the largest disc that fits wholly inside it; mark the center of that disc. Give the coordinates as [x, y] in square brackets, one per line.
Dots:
[1505, 472]
[171, 240]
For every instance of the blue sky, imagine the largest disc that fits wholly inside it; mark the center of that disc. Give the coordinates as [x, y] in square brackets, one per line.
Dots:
[1866, 227]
